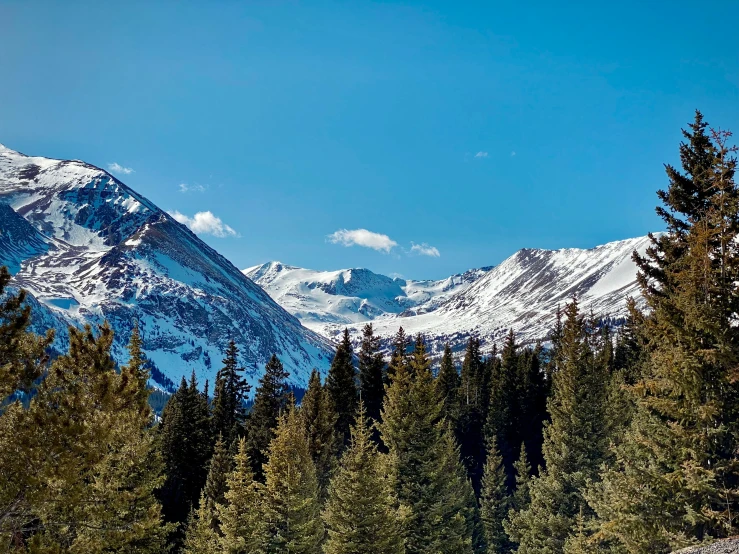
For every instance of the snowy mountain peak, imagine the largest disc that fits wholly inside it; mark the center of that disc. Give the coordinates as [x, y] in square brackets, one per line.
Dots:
[88, 248]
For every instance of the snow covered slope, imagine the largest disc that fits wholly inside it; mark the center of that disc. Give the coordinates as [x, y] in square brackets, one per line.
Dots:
[323, 300]
[88, 249]
[522, 294]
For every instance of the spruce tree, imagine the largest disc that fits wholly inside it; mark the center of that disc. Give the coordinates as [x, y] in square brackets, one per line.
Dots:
[680, 450]
[575, 443]
[361, 516]
[447, 386]
[521, 499]
[341, 384]
[319, 421]
[270, 400]
[371, 370]
[218, 469]
[399, 355]
[472, 400]
[231, 390]
[494, 502]
[291, 496]
[242, 524]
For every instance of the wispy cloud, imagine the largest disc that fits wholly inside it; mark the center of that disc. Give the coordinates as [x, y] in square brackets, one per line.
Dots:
[363, 237]
[185, 188]
[115, 167]
[513, 153]
[481, 155]
[424, 249]
[205, 223]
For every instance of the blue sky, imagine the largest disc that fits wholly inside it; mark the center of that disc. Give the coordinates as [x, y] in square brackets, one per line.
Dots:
[471, 128]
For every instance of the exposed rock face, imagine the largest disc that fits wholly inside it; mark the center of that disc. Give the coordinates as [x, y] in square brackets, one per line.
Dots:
[88, 249]
[728, 546]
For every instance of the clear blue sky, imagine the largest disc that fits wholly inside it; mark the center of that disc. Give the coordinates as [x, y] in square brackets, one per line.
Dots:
[292, 120]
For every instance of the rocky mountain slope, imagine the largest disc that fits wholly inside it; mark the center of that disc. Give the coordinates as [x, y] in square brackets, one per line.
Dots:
[89, 249]
[522, 293]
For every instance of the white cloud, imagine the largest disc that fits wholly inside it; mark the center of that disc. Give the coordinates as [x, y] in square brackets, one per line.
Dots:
[363, 237]
[185, 188]
[205, 223]
[513, 153]
[424, 249]
[118, 168]
[481, 155]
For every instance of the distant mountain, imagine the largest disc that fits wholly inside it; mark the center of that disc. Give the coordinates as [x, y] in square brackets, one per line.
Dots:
[88, 249]
[522, 293]
[323, 300]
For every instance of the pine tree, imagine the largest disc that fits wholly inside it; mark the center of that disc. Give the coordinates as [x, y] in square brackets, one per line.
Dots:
[341, 384]
[135, 373]
[291, 503]
[269, 401]
[371, 369]
[494, 502]
[319, 421]
[201, 537]
[447, 386]
[575, 443]
[91, 450]
[399, 356]
[242, 523]
[184, 438]
[418, 448]
[218, 469]
[680, 451]
[473, 405]
[231, 390]
[360, 514]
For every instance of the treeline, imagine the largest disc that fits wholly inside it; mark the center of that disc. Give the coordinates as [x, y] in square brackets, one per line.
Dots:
[602, 441]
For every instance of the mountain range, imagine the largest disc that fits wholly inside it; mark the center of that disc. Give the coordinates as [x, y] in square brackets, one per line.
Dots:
[89, 249]
[522, 293]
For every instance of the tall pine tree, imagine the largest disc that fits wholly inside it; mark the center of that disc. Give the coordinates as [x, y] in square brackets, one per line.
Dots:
[341, 384]
[319, 421]
[371, 373]
[231, 390]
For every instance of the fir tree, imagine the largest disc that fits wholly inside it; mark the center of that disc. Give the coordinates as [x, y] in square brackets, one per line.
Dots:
[242, 523]
[447, 386]
[291, 502]
[494, 502]
[201, 537]
[680, 451]
[521, 499]
[470, 423]
[360, 513]
[371, 369]
[319, 421]
[399, 355]
[269, 401]
[341, 384]
[218, 469]
[574, 444]
[414, 434]
[231, 390]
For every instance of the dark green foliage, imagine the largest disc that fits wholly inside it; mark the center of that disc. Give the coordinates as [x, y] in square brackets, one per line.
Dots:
[218, 469]
[341, 384]
[399, 356]
[473, 402]
[447, 386]
[230, 393]
[270, 400]
[371, 373]
[184, 437]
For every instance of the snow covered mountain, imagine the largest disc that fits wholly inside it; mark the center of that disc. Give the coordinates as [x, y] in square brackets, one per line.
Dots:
[89, 249]
[522, 293]
[323, 300]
